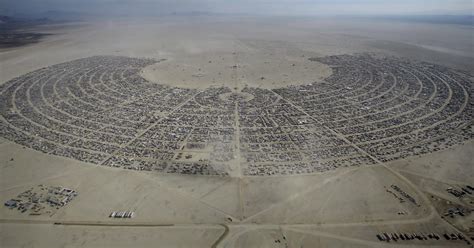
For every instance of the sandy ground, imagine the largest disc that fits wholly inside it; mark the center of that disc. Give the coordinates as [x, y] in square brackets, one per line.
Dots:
[200, 199]
[281, 42]
[338, 209]
[343, 208]
[249, 65]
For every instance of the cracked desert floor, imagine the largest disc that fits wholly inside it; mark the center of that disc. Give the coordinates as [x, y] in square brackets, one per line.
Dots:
[239, 132]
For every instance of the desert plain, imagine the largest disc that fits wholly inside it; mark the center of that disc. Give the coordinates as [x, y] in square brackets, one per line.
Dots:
[341, 190]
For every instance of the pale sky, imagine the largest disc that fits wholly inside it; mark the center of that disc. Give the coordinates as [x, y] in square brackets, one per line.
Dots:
[280, 7]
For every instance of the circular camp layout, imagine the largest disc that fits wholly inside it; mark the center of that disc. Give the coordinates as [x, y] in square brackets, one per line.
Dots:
[369, 111]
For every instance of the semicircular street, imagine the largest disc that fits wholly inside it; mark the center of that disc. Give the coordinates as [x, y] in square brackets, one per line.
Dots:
[100, 110]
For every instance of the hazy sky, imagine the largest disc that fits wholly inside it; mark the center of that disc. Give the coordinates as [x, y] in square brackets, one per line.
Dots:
[281, 7]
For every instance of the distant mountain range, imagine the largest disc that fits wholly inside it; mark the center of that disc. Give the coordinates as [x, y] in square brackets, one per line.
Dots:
[4, 19]
[51, 15]
[19, 20]
[56, 15]
[438, 19]
[64, 15]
